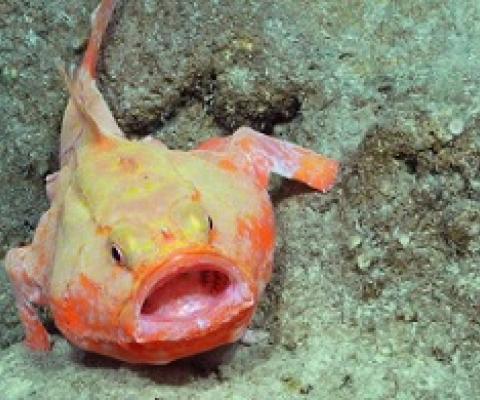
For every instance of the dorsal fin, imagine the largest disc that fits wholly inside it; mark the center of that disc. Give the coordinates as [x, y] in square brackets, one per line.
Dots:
[100, 19]
[76, 91]
[87, 116]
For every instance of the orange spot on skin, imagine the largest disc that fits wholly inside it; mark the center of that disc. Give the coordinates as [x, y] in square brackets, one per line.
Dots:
[266, 235]
[215, 143]
[104, 143]
[259, 230]
[128, 164]
[90, 286]
[167, 235]
[103, 230]
[228, 165]
[196, 195]
[243, 227]
[247, 144]
[263, 177]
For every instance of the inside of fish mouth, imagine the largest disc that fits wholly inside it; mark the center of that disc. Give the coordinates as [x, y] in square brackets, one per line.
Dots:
[186, 294]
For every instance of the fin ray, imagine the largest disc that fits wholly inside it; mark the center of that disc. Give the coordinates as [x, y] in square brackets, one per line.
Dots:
[87, 114]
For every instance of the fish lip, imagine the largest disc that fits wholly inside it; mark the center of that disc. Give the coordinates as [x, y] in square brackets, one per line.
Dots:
[243, 297]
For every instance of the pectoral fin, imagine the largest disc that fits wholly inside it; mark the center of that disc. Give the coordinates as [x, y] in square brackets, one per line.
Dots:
[259, 154]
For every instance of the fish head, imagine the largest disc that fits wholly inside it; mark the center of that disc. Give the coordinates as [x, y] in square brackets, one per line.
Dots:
[137, 274]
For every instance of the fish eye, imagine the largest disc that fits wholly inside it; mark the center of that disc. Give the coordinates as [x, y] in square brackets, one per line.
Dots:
[117, 254]
[210, 222]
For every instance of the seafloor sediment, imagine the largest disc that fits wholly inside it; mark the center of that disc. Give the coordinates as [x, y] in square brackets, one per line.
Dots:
[376, 287]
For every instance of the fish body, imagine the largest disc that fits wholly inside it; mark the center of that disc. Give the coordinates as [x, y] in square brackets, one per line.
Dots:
[148, 254]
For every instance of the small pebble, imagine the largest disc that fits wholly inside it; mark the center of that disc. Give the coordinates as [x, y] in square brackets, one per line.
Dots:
[456, 126]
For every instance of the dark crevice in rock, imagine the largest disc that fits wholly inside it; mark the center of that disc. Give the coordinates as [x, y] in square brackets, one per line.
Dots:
[262, 109]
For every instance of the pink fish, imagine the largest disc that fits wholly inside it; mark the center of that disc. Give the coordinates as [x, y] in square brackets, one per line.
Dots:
[148, 254]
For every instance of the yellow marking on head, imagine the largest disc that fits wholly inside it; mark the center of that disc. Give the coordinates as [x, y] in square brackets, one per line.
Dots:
[196, 224]
[134, 245]
[191, 220]
[143, 190]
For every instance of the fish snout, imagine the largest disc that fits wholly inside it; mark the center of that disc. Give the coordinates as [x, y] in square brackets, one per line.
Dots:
[192, 295]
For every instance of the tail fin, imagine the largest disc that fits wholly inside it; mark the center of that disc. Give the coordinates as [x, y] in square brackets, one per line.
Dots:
[87, 115]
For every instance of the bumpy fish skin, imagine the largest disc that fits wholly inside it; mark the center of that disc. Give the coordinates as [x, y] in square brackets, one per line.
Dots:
[148, 254]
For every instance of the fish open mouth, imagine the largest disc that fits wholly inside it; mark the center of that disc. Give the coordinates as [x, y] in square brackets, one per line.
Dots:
[189, 294]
